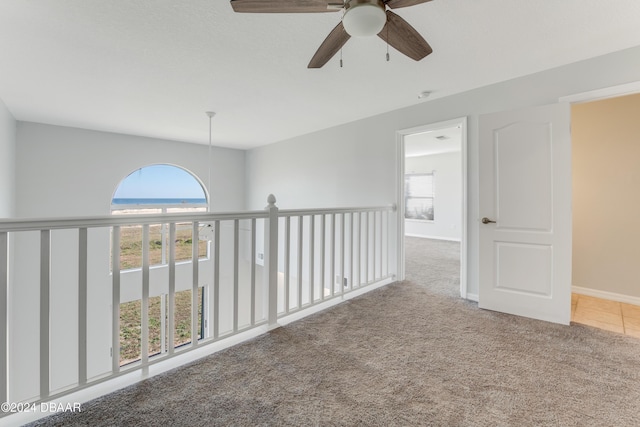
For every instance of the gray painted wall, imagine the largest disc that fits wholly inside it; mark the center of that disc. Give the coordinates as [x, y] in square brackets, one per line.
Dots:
[356, 163]
[65, 171]
[7, 162]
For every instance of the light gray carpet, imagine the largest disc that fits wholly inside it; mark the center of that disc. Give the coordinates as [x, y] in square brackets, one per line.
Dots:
[409, 354]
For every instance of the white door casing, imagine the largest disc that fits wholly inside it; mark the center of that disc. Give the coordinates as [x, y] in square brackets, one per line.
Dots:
[400, 172]
[525, 187]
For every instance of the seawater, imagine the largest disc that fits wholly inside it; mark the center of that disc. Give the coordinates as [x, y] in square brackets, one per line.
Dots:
[161, 201]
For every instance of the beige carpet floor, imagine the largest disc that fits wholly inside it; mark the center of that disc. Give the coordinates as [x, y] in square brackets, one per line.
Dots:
[409, 354]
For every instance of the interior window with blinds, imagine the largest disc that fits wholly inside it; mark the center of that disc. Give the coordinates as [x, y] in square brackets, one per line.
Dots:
[418, 196]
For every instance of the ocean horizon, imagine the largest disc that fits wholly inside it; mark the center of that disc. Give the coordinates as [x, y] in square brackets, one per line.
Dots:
[158, 201]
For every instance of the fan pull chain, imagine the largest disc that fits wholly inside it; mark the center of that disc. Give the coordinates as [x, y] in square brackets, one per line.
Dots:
[387, 41]
[343, 14]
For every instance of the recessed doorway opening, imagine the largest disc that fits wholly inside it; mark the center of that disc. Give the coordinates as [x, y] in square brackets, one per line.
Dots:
[432, 165]
[605, 178]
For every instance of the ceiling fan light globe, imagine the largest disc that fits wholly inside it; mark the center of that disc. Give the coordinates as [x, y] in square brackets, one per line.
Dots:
[364, 20]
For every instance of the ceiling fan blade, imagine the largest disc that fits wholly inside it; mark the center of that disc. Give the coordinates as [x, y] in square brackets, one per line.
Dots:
[286, 6]
[404, 38]
[396, 4]
[329, 47]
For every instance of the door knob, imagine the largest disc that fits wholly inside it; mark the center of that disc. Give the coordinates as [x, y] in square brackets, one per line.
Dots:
[486, 220]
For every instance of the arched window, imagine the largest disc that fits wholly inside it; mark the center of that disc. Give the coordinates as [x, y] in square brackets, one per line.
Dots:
[158, 188]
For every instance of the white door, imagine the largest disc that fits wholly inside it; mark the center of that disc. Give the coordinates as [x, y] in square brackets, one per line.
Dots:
[525, 187]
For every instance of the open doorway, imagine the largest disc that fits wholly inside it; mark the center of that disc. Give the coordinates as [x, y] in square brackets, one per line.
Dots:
[432, 163]
[605, 149]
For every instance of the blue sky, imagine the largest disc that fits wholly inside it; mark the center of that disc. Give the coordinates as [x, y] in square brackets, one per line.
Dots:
[159, 181]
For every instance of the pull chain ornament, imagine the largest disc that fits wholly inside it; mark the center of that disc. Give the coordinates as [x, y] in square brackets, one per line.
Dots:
[387, 41]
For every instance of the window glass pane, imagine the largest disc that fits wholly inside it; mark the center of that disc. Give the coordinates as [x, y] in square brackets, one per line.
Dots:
[420, 185]
[156, 323]
[419, 196]
[182, 334]
[158, 189]
[184, 243]
[130, 247]
[155, 243]
[130, 331]
[159, 185]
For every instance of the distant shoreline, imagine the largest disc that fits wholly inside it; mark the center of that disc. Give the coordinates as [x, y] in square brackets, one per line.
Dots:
[158, 201]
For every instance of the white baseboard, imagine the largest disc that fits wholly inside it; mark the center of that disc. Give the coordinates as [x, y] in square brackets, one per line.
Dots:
[606, 295]
[472, 297]
[422, 236]
[332, 302]
[588, 292]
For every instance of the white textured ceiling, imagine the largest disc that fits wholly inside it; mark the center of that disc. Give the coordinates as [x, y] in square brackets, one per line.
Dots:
[433, 142]
[153, 67]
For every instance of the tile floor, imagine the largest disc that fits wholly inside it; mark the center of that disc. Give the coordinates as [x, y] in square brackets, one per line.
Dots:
[604, 314]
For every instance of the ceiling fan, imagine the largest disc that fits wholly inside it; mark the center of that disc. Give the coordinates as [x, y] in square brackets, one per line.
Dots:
[361, 18]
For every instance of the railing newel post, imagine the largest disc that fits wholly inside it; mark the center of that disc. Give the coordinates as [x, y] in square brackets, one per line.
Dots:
[271, 261]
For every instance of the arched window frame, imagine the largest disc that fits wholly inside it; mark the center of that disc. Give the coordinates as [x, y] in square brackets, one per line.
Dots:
[156, 206]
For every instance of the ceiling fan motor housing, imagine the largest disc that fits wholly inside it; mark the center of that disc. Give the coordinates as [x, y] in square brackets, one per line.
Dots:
[364, 18]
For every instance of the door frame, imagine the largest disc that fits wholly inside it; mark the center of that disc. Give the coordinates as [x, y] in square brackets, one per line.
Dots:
[400, 171]
[604, 93]
[632, 88]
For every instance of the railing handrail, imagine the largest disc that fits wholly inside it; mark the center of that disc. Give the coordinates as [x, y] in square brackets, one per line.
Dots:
[35, 224]
[320, 211]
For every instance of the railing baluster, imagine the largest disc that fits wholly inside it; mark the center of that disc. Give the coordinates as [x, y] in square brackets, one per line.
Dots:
[4, 315]
[359, 249]
[300, 231]
[374, 235]
[216, 282]
[195, 288]
[368, 242]
[323, 248]
[115, 301]
[82, 305]
[342, 254]
[380, 240]
[332, 244]
[386, 216]
[236, 255]
[287, 263]
[253, 271]
[144, 304]
[45, 291]
[172, 288]
[163, 323]
[312, 225]
[381, 243]
[351, 253]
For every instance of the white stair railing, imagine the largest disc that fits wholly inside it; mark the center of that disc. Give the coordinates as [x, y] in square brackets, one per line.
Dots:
[306, 257]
